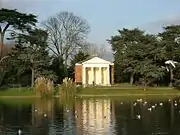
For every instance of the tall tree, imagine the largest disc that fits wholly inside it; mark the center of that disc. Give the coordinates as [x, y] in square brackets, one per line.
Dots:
[80, 56]
[66, 34]
[133, 49]
[93, 49]
[4, 67]
[149, 72]
[126, 50]
[170, 39]
[59, 69]
[31, 53]
[17, 21]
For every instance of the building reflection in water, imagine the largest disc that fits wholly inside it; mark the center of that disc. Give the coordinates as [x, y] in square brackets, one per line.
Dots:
[95, 116]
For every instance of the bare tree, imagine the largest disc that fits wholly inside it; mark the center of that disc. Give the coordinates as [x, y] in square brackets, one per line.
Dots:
[93, 49]
[66, 34]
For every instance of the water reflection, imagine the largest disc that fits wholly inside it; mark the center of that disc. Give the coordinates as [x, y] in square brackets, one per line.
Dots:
[91, 117]
[95, 117]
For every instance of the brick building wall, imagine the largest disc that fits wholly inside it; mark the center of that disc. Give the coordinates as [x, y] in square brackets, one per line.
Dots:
[78, 74]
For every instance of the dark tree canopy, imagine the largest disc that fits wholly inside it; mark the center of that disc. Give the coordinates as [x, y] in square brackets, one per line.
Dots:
[80, 56]
[16, 21]
[139, 57]
[31, 53]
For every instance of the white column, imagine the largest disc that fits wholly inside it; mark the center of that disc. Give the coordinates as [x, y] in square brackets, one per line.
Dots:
[92, 75]
[84, 113]
[108, 75]
[84, 75]
[100, 76]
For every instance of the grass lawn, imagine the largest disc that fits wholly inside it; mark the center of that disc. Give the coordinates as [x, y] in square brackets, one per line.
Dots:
[126, 90]
[16, 101]
[17, 92]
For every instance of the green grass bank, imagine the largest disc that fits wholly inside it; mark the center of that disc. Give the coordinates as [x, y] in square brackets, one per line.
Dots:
[126, 90]
[114, 91]
[17, 93]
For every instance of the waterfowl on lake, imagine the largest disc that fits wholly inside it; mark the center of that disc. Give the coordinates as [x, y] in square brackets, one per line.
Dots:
[45, 115]
[145, 102]
[139, 100]
[150, 109]
[19, 132]
[138, 116]
[135, 104]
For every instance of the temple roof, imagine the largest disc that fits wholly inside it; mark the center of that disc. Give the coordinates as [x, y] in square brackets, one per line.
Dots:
[94, 60]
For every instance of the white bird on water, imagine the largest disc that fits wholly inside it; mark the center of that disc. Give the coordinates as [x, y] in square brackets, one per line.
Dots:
[19, 132]
[138, 116]
[45, 115]
[135, 104]
[139, 100]
[150, 109]
[145, 102]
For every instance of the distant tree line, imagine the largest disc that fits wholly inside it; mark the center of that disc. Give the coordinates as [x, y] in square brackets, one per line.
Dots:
[49, 50]
[52, 50]
[147, 59]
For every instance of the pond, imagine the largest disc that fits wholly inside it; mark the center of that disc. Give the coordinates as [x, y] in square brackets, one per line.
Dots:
[91, 116]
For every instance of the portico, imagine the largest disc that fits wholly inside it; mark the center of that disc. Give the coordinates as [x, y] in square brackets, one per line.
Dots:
[95, 71]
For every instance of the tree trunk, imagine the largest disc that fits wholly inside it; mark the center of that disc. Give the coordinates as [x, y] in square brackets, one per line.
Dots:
[131, 78]
[171, 77]
[1, 43]
[66, 67]
[32, 77]
[145, 84]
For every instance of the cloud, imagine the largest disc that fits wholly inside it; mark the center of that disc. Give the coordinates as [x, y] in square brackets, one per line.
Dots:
[17, 4]
[23, 4]
[157, 26]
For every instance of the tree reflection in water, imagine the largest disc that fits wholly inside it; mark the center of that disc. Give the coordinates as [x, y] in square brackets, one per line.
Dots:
[90, 117]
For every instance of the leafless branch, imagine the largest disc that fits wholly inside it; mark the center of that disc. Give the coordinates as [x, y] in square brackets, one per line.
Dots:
[5, 28]
[65, 31]
[5, 57]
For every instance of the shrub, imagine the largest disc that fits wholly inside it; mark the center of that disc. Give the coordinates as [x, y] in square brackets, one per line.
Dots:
[67, 93]
[68, 88]
[44, 87]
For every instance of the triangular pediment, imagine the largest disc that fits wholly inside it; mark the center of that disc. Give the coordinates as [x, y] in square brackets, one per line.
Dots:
[96, 60]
